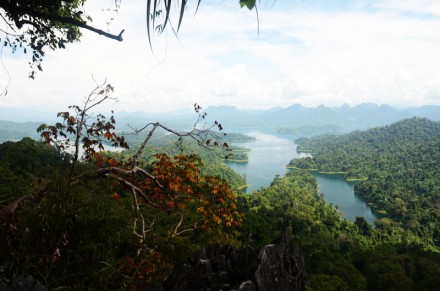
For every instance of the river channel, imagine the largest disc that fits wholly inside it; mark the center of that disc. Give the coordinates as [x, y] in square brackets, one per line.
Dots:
[269, 156]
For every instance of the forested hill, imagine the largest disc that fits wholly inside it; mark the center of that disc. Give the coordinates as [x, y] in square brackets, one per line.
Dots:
[82, 235]
[397, 168]
[345, 117]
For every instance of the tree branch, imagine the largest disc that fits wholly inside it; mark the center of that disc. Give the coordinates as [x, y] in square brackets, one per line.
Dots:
[19, 10]
[144, 143]
[177, 232]
[20, 203]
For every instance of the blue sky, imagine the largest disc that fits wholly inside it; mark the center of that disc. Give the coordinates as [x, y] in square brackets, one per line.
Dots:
[309, 52]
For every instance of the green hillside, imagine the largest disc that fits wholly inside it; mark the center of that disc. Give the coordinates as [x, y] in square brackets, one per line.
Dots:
[82, 233]
[401, 163]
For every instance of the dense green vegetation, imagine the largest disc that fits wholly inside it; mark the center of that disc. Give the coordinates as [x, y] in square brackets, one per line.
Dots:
[24, 165]
[401, 162]
[76, 231]
[82, 235]
[237, 137]
[339, 255]
[212, 159]
[100, 220]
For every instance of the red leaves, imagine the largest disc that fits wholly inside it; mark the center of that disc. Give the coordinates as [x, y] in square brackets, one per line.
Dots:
[183, 185]
[179, 177]
[112, 163]
[77, 126]
[108, 135]
[170, 184]
[116, 196]
[99, 159]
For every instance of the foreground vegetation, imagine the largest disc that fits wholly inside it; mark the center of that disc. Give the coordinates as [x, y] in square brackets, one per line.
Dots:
[93, 219]
[86, 235]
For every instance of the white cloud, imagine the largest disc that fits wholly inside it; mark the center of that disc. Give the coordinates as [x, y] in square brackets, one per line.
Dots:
[424, 7]
[310, 56]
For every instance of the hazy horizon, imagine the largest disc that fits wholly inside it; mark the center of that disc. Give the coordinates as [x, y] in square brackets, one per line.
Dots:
[31, 115]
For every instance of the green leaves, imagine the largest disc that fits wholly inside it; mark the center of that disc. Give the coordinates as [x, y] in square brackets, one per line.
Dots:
[250, 4]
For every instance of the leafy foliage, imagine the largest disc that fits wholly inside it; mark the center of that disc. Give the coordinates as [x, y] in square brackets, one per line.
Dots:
[250, 4]
[132, 216]
[401, 164]
[45, 24]
[81, 234]
[339, 255]
[77, 125]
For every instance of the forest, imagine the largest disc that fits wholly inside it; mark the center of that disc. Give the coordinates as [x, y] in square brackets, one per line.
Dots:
[101, 219]
[84, 235]
[398, 169]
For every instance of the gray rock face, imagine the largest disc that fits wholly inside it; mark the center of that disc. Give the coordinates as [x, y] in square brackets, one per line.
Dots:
[223, 267]
[21, 284]
[281, 267]
[247, 286]
[217, 267]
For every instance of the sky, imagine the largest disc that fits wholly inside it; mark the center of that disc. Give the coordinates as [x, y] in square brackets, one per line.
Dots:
[307, 52]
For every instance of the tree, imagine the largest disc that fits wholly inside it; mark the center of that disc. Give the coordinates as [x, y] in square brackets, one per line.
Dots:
[168, 184]
[39, 25]
[363, 226]
[165, 204]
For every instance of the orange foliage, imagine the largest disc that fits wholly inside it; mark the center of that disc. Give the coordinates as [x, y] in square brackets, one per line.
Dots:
[183, 184]
[116, 196]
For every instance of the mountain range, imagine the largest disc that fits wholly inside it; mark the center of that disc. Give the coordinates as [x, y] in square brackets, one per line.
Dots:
[347, 118]
[324, 119]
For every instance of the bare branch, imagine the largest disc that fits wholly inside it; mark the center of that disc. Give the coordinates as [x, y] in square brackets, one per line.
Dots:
[201, 136]
[177, 230]
[144, 143]
[163, 193]
[144, 231]
[20, 203]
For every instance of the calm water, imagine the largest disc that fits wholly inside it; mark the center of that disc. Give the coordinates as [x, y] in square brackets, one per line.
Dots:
[269, 156]
[341, 194]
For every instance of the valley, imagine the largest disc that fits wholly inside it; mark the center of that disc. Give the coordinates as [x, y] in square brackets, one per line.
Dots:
[353, 201]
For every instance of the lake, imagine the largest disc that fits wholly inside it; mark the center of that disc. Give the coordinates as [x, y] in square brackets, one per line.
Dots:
[269, 156]
[339, 192]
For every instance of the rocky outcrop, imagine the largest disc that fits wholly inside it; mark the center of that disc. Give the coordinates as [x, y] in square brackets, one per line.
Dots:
[215, 267]
[21, 284]
[223, 267]
[281, 267]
